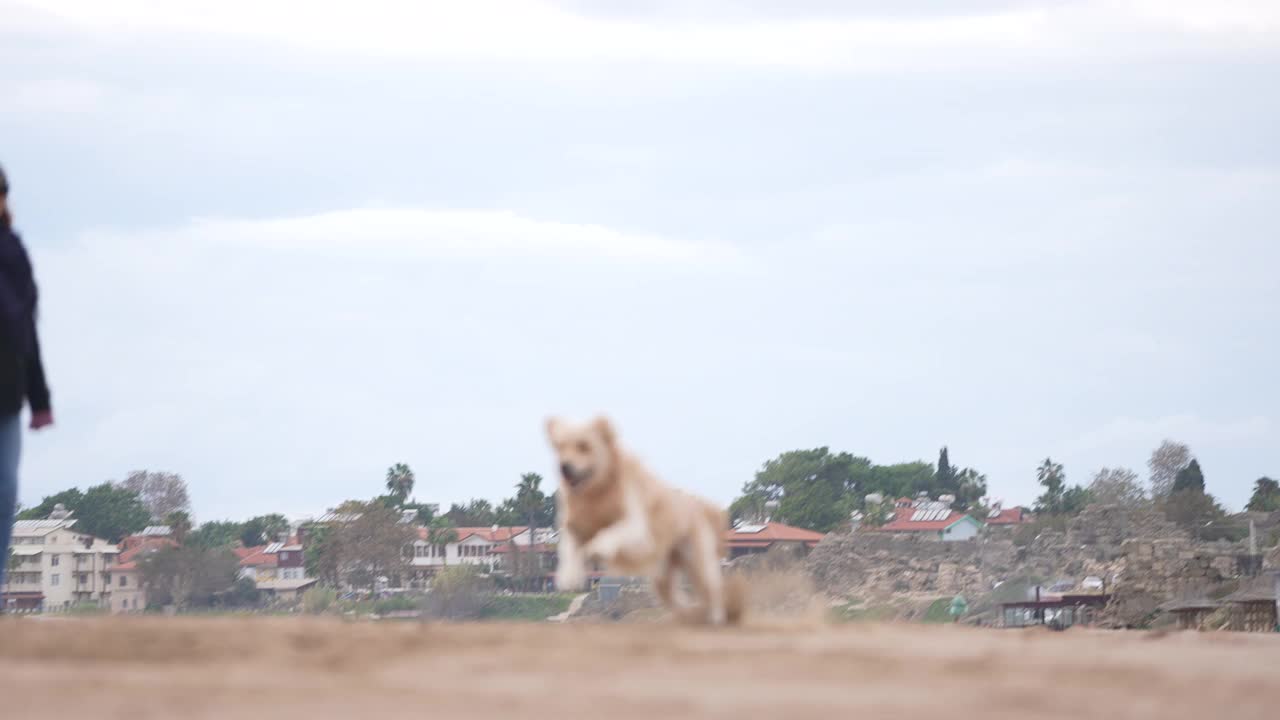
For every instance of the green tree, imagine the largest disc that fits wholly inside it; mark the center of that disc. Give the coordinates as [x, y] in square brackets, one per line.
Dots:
[400, 482]
[263, 529]
[531, 503]
[373, 545]
[110, 512]
[476, 513]
[1052, 478]
[1189, 478]
[187, 576]
[426, 512]
[179, 523]
[215, 534]
[945, 480]
[814, 489]
[1194, 511]
[105, 511]
[70, 499]
[1266, 496]
[1075, 499]
[898, 480]
[1057, 498]
[970, 488]
[324, 555]
[442, 533]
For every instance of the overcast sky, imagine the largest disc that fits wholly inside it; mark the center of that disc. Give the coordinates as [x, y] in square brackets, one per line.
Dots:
[283, 245]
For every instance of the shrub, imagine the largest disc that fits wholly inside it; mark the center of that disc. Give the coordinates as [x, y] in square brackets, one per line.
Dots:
[317, 600]
[396, 603]
[461, 592]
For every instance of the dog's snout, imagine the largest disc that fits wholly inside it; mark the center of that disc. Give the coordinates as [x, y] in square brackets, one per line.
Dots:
[567, 471]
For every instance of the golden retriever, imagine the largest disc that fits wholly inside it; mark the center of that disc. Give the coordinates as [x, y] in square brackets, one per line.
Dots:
[611, 509]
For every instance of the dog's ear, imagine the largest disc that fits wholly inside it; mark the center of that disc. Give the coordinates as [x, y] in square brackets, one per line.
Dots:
[554, 426]
[605, 428]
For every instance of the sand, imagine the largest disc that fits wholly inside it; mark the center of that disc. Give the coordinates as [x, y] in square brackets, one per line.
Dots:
[286, 668]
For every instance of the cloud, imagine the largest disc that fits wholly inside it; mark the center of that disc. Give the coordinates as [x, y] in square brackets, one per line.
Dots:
[495, 30]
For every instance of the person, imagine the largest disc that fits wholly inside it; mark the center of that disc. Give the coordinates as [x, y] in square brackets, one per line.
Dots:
[22, 378]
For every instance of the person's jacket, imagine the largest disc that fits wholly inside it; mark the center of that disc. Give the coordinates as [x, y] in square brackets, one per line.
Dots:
[21, 370]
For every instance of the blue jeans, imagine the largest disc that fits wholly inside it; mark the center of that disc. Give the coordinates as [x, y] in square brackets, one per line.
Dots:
[10, 452]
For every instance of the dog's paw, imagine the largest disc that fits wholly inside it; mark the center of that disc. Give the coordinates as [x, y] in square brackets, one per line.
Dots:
[570, 578]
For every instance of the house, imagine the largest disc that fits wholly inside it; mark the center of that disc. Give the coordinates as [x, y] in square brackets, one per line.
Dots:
[474, 546]
[289, 556]
[1192, 612]
[1012, 517]
[931, 519]
[1056, 610]
[752, 538]
[1254, 607]
[125, 577]
[285, 590]
[256, 563]
[55, 566]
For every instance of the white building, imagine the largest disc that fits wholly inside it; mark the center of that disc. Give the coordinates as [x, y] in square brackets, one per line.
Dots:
[475, 546]
[57, 567]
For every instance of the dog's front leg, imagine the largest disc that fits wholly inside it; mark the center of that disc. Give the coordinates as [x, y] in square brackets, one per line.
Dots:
[571, 563]
[626, 541]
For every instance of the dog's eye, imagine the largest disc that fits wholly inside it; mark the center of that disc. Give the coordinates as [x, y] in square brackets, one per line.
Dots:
[584, 447]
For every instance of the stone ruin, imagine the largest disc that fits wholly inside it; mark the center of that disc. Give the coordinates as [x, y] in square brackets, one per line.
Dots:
[1142, 559]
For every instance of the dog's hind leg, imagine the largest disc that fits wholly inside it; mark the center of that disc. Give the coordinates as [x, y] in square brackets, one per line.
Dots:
[667, 584]
[703, 563]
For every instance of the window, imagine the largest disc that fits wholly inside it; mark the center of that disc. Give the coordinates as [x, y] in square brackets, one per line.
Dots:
[284, 557]
[55, 579]
[53, 560]
[124, 580]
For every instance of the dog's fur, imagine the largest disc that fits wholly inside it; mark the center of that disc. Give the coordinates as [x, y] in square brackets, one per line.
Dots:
[610, 508]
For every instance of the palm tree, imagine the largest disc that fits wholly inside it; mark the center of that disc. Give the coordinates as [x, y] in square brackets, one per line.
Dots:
[441, 533]
[400, 482]
[529, 499]
[1049, 473]
[1052, 477]
[179, 523]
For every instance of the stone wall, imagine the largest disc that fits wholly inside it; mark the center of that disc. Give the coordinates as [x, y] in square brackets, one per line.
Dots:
[1142, 557]
[872, 565]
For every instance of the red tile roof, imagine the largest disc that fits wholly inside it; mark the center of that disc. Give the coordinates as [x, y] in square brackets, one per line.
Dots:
[903, 522]
[256, 557]
[540, 547]
[1010, 516]
[769, 533]
[502, 534]
[128, 560]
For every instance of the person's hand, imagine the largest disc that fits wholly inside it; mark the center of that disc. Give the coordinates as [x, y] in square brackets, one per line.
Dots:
[41, 419]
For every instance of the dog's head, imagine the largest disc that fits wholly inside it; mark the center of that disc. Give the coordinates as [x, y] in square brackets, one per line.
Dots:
[586, 453]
